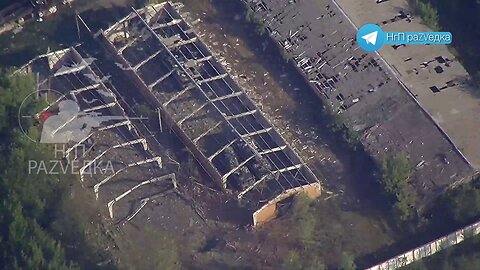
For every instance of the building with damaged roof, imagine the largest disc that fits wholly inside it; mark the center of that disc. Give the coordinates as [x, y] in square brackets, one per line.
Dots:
[360, 87]
[220, 125]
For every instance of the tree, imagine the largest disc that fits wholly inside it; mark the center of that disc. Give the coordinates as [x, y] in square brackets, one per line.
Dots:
[395, 173]
[395, 176]
[25, 198]
[13, 90]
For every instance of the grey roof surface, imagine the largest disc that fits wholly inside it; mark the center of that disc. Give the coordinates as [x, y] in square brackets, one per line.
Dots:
[359, 86]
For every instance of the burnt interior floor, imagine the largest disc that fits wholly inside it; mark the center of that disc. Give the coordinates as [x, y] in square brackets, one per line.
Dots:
[228, 134]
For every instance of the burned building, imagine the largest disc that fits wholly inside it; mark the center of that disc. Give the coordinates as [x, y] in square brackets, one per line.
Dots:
[111, 150]
[220, 125]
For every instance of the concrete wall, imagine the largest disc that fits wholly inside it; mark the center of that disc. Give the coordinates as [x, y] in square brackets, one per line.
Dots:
[269, 211]
[429, 248]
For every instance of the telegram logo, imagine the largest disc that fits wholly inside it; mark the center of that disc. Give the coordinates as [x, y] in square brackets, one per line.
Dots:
[370, 37]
